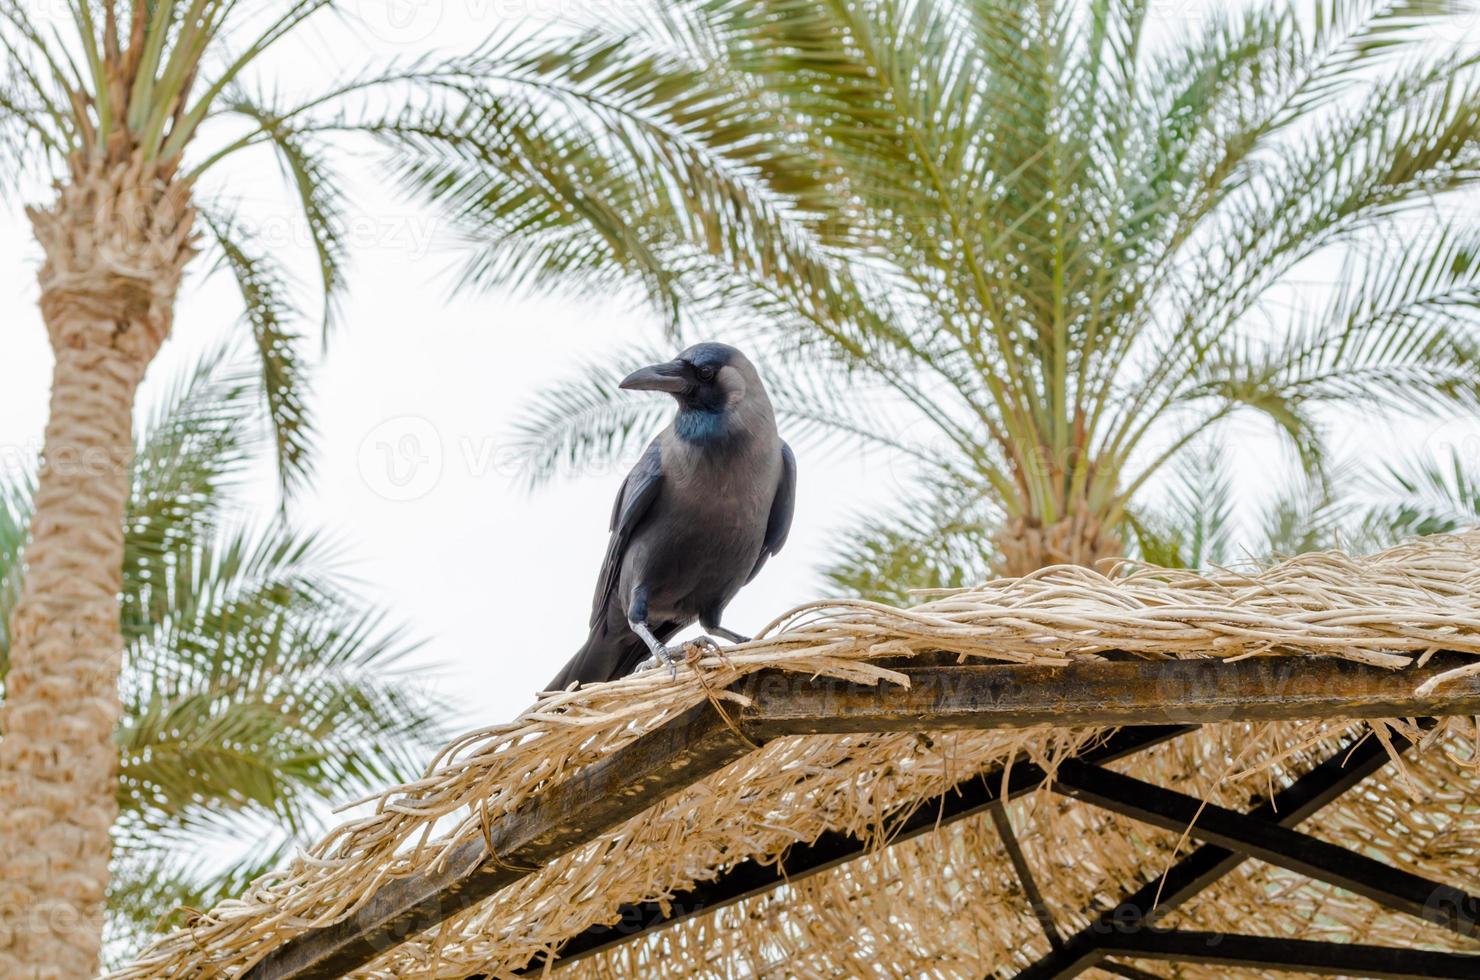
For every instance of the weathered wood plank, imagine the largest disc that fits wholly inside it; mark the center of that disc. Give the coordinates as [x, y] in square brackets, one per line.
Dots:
[1195, 692]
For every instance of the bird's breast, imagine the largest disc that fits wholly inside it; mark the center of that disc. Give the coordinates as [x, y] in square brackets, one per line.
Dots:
[704, 535]
[733, 488]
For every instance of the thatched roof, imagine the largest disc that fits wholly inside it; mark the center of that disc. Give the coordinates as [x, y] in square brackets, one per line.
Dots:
[1320, 639]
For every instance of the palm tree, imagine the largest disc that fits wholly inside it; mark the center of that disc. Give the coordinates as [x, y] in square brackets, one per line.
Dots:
[1197, 523]
[1040, 254]
[132, 107]
[256, 687]
[1194, 519]
[1019, 243]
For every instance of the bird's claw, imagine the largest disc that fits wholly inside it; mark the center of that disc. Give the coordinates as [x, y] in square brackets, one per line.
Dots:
[662, 656]
[666, 656]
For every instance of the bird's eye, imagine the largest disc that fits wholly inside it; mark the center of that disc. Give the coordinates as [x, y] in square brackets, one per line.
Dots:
[706, 373]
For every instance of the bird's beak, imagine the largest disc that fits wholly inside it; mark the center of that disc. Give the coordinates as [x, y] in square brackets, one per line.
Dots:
[669, 377]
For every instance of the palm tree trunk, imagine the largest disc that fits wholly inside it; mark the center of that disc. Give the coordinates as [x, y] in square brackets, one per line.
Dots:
[1024, 545]
[116, 242]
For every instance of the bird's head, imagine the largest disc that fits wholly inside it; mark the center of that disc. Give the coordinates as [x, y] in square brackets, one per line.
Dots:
[707, 377]
[720, 397]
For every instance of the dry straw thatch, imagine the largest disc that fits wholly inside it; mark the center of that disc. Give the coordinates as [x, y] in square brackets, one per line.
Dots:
[946, 904]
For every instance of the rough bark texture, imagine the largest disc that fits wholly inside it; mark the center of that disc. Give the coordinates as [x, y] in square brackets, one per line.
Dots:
[1026, 545]
[116, 241]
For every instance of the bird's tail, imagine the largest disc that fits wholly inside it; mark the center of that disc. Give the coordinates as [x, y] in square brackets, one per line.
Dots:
[605, 656]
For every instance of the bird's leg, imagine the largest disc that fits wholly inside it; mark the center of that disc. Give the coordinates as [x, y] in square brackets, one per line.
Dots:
[637, 614]
[661, 653]
[730, 635]
[710, 618]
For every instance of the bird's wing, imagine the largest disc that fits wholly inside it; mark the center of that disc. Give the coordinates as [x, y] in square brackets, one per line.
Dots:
[634, 500]
[782, 507]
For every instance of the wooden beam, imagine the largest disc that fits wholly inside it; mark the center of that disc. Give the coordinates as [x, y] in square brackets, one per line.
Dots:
[938, 698]
[1103, 693]
[1298, 955]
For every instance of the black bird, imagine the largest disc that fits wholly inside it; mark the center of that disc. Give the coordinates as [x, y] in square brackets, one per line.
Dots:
[710, 500]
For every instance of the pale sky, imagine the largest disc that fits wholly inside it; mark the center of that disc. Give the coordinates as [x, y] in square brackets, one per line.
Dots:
[416, 399]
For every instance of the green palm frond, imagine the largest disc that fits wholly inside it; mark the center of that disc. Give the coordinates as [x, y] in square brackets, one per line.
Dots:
[316, 187]
[268, 311]
[816, 410]
[617, 159]
[1410, 139]
[890, 558]
[189, 455]
[1049, 238]
[1193, 522]
[142, 78]
[15, 517]
[1197, 525]
[1418, 495]
[255, 681]
[1400, 335]
[1193, 527]
[586, 423]
[570, 232]
[263, 687]
[1310, 513]
[151, 890]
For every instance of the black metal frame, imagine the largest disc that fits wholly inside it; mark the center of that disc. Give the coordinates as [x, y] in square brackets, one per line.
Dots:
[1144, 907]
[967, 798]
[1130, 927]
[1116, 691]
[1304, 955]
[1267, 840]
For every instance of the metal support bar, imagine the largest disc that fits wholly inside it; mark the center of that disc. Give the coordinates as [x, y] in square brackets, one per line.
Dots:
[566, 816]
[1392, 887]
[967, 798]
[1307, 795]
[1019, 860]
[1303, 955]
[1127, 971]
[940, 698]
